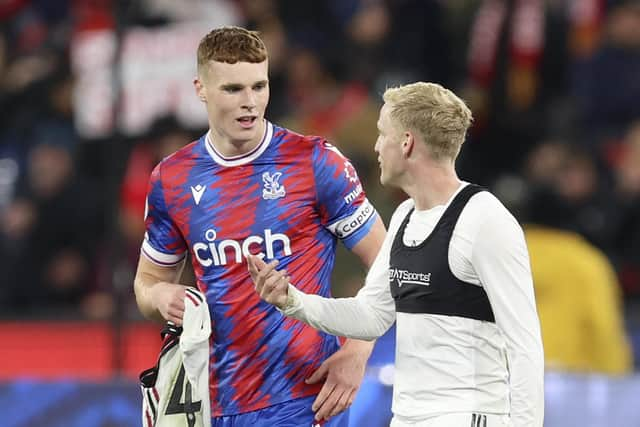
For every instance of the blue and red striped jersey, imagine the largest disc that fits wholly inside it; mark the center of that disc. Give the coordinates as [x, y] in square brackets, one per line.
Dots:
[291, 199]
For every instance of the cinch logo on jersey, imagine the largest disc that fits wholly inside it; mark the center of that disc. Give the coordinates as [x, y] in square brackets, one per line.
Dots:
[405, 277]
[215, 253]
[350, 225]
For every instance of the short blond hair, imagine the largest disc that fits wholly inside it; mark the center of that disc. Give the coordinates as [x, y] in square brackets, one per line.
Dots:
[436, 114]
[231, 44]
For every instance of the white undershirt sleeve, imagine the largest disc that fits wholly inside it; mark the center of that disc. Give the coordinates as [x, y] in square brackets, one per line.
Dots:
[366, 316]
[501, 261]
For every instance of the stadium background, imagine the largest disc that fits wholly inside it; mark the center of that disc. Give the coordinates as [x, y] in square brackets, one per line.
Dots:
[94, 92]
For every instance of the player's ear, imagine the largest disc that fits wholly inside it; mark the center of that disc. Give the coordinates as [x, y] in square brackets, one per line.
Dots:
[408, 142]
[200, 90]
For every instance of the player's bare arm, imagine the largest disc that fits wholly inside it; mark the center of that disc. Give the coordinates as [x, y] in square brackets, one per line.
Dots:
[344, 370]
[159, 295]
[367, 249]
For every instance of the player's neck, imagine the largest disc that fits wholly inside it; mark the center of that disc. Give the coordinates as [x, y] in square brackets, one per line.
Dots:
[228, 147]
[433, 186]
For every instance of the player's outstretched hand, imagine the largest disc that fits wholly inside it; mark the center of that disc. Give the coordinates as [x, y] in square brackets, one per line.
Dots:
[168, 299]
[271, 284]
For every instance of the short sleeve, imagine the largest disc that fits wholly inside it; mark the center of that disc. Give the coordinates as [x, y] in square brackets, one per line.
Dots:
[344, 208]
[163, 243]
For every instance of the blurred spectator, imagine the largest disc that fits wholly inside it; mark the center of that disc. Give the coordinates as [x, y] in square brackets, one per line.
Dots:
[627, 237]
[32, 40]
[574, 179]
[579, 303]
[415, 45]
[321, 104]
[315, 25]
[49, 235]
[517, 63]
[343, 111]
[52, 220]
[606, 86]
[586, 190]
[33, 36]
[578, 295]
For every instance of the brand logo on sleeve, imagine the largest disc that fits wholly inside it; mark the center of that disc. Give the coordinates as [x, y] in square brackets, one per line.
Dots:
[350, 171]
[353, 194]
[272, 188]
[197, 193]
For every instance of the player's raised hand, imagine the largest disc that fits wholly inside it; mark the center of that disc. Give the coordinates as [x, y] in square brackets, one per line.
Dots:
[168, 299]
[271, 284]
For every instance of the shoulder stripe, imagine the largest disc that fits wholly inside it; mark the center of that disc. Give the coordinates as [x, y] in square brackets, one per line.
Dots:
[160, 258]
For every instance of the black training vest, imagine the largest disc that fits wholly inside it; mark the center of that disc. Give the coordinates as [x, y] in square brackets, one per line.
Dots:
[420, 277]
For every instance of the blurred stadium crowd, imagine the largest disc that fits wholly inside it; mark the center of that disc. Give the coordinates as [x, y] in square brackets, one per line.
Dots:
[94, 92]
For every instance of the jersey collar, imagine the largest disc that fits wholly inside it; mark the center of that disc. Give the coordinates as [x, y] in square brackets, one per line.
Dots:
[241, 159]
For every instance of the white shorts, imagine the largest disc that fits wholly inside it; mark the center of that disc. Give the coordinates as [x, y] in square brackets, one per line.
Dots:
[464, 419]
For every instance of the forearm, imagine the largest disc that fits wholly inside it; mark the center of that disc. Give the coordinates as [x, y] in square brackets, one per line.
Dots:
[142, 286]
[356, 317]
[148, 277]
[360, 347]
